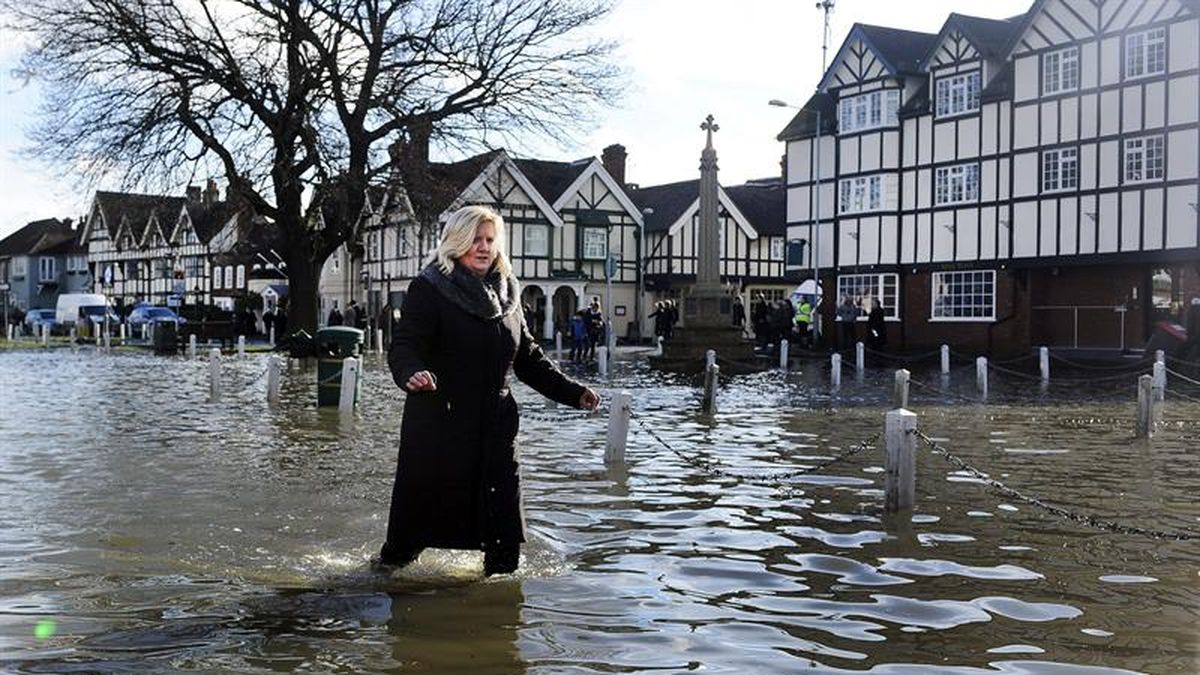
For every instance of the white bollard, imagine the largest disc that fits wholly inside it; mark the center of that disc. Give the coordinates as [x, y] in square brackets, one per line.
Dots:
[900, 463]
[10, 332]
[981, 375]
[349, 386]
[658, 346]
[945, 359]
[45, 336]
[558, 344]
[1160, 381]
[241, 345]
[1145, 406]
[274, 366]
[859, 358]
[1044, 363]
[711, 377]
[900, 394]
[192, 346]
[107, 340]
[783, 354]
[835, 371]
[1160, 356]
[121, 332]
[271, 336]
[618, 428]
[602, 360]
[710, 358]
[72, 335]
[379, 340]
[214, 374]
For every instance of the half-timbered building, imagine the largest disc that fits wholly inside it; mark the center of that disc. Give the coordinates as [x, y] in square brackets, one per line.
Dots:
[1006, 183]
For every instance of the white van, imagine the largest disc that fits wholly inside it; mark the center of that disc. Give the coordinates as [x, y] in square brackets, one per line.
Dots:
[67, 311]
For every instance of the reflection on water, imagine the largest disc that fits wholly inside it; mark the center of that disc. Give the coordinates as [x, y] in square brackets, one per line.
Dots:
[159, 531]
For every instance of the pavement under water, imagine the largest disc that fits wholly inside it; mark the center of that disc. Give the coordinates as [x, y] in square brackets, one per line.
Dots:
[145, 528]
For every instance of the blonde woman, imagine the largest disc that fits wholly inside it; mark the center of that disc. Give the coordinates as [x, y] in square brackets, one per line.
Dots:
[460, 338]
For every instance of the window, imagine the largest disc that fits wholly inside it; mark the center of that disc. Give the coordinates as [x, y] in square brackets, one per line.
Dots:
[47, 269]
[1060, 71]
[216, 278]
[1146, 53]
[193, 266]
[537, 240]
[76, 263]
[776, 248]
[241, 276]
[956, 184]
[162, 268]
[957, 94]
[18, 267]
[1060, 169]
[868, 111]
[189, 236]
[595, 243]
[229, 277]
[132, 270]
[964, 296]
[882, 288]
[864, 193]
[3, 271]
[1144, 158]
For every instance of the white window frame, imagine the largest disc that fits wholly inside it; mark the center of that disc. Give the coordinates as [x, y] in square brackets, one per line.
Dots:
[957, 184]
[594, 244]
[1144, 159]
[777, 248]
[229, 277]
[1146, 53]
[19, 269]
[536, 246]
[241, 276]
[216, 278]
[883, 287]
[1060, 170]
[957, 94]
[872, 110]
[77, 263]
[860, 194]
[47, 268]
[1060, 71]
[945, 284]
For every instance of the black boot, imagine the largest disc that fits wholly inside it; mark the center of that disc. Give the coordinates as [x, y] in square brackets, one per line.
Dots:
[395, 556]
[502, 559]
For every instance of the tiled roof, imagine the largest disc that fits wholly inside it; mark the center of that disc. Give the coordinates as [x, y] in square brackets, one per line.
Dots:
[551, 179]
[804, 124]
[669, 201]
[990, 36]
[764, 203]
[902, 49]
[136, 208]
[433, 190]
[25, 240]
[208, 219]
[60, 243]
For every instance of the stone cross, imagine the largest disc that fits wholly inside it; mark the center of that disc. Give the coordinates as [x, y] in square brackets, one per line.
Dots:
[711, 127]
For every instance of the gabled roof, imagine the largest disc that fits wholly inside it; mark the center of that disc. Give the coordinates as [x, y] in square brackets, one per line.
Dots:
[804, 124]
[59, 243]
[900, 51]
[433, 190]
[595, 167]
[764, 203]
[134, 209]
[208, 219]
[551, 179]
[989, 37]
[668, 201]
[29, 238]
[757, 208]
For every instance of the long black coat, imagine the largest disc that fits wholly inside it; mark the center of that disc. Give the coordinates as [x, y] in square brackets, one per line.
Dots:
[457, 483]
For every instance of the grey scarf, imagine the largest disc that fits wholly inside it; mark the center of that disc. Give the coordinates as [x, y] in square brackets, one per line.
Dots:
[489, 297]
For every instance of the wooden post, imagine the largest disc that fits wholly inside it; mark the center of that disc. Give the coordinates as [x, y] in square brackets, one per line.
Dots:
[214, 374]
[709, 403]
[379, 340]
[192, 346]
[783, 354]
[1160, 381]
[945, 359]
[349, 386]
[9, 332]
[900, 463]
[835, 370]
[121, 332]
[618, 428]
[710, 357]
[900, 394]
[241, 345]
[45, 336]
[859, 358]
[271, 335]
[981, 376]
[558, 344]
[274, 365]
[1044, 363]
[602, 360]
[658, 348]
[1145, 399]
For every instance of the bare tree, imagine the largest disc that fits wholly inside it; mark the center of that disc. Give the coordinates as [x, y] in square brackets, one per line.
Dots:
[298, 101]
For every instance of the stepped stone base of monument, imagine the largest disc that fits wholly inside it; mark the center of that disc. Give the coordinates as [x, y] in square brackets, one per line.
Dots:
[684, 352]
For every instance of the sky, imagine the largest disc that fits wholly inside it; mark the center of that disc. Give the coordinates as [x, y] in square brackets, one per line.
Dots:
[684, 59]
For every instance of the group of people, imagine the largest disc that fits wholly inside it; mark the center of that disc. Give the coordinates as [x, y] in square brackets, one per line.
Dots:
[354, 316]
[773, 321]
[665, 315]
[586, 329]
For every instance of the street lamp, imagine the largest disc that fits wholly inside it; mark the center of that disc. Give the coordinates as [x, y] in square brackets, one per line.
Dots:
[815, 256]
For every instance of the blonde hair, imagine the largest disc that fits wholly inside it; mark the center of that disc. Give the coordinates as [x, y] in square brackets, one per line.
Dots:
[458, 234]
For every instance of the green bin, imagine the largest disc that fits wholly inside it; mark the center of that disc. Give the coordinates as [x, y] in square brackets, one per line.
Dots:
[334, 344]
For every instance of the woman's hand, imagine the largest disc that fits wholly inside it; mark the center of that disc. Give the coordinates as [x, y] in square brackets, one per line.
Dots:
[422, 380]
[589, 399]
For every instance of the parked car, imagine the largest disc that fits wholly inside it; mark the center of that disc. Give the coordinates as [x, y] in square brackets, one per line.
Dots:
[36, 318]
[70, 304]
[149, 314]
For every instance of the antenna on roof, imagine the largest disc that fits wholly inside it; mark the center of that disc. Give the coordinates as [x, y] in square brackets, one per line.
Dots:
[827, 7]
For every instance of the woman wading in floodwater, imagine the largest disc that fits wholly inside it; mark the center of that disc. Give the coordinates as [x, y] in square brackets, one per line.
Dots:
[460, 337]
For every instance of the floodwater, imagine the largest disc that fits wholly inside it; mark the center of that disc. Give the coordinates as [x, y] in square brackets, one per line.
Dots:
[146, 529]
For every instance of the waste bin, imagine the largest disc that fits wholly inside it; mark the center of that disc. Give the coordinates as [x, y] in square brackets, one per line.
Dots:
[164, 337]
[334, 344]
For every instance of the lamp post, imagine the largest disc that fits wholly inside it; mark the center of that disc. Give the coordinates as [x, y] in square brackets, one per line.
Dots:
[639, 305]
[815, 256]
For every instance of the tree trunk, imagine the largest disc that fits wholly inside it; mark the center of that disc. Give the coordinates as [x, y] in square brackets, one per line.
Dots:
[303, 278]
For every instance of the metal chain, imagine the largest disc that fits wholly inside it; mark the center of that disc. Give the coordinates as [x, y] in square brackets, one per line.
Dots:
[1138, 365]
[1083, 519]
[1183, 377]
[914, 358]
[713, 468]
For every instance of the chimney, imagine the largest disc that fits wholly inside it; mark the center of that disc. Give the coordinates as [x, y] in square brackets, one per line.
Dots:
[418, 142]
[193, 194]
[613, 159]
[211, 194]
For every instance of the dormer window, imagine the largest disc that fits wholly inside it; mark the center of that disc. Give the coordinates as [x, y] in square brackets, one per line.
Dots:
[1060, 71]
[957, 94]
[868, 111]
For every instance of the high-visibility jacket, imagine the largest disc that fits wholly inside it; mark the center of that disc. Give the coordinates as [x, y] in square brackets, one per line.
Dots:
[804, 314]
